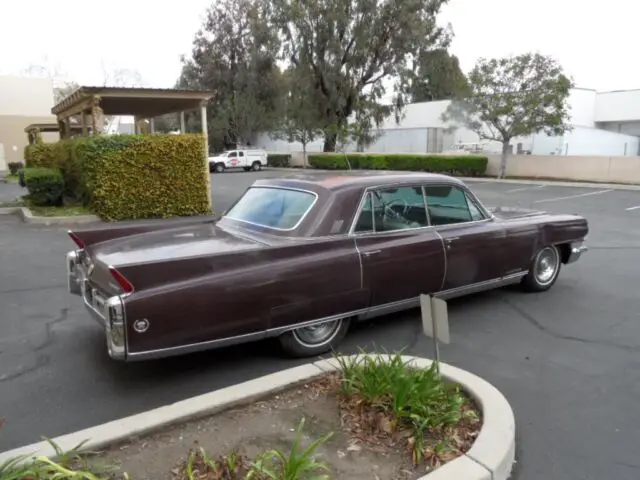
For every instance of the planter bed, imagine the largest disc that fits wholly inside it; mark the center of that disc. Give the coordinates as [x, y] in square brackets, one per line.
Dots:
[360, 436]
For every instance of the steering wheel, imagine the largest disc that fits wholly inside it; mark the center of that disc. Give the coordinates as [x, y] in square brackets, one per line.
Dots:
[405, 208]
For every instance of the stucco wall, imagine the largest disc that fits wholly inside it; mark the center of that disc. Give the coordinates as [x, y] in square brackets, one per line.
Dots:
[31, 97]
[13, 137]
[593, 169]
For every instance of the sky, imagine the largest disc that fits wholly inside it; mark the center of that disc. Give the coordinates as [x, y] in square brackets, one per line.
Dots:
[592, 40]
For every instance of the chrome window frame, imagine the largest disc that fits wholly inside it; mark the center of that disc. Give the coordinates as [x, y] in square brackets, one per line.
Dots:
[487, 214]
[274, 187]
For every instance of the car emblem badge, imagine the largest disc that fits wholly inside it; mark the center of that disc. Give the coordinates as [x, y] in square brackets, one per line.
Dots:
[141, 326]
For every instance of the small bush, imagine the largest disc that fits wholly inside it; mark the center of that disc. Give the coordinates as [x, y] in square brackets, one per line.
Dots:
[14, 167]
[279, 159]
[137, 176]
[45, 186]
[464, 165]
[40, 155]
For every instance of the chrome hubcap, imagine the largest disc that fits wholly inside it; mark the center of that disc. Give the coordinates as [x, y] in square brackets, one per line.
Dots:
[315, 335]
[546, 265]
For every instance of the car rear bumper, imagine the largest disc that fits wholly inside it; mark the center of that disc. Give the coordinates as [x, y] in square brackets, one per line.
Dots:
[577, 249]
[109, 312]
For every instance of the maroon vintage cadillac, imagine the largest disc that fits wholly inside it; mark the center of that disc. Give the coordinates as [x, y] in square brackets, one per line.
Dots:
[299, 259]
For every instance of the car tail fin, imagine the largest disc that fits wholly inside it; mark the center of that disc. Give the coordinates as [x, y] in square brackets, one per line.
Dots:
[123, 282]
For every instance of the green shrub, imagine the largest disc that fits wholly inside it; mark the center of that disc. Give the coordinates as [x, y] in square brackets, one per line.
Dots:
[45, 186]
[40, 155]
[135, 176]
[71, 170]
[14, 167]
[279, 159]
[463, 165]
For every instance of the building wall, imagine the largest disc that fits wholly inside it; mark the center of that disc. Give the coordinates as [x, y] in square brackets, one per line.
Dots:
[582, 107]
[22, 101]
[592, 141]
[629, 128]
[618, 106]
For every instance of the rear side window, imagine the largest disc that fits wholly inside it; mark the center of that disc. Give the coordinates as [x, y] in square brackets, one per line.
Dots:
[449, 204]
[277, 208]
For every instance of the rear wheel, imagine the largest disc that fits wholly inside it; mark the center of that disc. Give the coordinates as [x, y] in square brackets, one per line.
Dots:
[544, 270]
[256, 166]
[315, 339]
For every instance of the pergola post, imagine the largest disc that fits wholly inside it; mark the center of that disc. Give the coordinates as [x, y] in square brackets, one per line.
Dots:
[83, 119]
[61, 128]
[152, 125]
[205, 133]
[97, 118]
[183, 127]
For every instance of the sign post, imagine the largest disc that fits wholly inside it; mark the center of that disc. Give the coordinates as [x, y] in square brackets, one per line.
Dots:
[435, 322]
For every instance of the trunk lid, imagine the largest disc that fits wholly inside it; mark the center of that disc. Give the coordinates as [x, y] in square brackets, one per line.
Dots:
[153, 258]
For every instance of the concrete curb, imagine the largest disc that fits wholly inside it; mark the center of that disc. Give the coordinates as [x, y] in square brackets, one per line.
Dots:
[558, 183]
[25, 214]
[490, 458]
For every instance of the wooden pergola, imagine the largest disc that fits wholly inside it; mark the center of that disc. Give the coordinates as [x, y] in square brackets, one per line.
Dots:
[34, 130]
[91, 104]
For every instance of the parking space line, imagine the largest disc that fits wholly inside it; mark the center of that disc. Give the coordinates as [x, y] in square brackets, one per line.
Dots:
[632, 208]
[599, 192]
[522, 189]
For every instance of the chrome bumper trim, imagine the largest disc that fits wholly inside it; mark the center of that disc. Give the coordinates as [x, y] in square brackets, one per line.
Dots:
[109, 313]
[73, 273]
[577, 249]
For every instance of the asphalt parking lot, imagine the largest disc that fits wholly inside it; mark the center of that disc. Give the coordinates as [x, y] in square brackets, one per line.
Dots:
[567, 360]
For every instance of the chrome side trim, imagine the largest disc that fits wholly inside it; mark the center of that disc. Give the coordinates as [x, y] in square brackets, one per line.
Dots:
[577, 249]
[446, 260]
[355, 244]
[481, 286]
[273, 187]
[363, 313]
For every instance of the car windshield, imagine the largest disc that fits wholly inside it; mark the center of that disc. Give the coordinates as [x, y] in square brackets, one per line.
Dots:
[270, 207]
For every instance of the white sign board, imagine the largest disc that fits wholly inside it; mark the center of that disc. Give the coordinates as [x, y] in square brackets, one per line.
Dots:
[435, 318]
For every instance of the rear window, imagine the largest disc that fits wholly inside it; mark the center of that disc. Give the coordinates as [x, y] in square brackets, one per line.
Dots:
[278, 208]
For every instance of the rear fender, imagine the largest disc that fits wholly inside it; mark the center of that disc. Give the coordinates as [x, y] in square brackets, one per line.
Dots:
[91, 236]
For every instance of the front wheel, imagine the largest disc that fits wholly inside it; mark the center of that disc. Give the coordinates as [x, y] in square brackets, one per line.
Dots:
[315, 339]
[544, 270]
[219, 167]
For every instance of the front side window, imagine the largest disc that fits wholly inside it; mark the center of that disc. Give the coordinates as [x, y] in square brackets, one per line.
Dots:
[272, 207]
[448, 205]
[390, 209]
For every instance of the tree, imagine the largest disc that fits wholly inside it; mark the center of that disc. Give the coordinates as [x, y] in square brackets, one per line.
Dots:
[436, 75]
[349, 48]
[513, 97]
[300, 122]
[234, 54]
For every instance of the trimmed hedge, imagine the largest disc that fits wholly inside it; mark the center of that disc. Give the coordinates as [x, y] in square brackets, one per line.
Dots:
[14, 167]
[463, 165]
[137, 176]
[45, 186]
[40, 155]
[278, 159]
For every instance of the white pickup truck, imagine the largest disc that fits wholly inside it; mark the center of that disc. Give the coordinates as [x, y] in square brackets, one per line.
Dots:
[247, 159]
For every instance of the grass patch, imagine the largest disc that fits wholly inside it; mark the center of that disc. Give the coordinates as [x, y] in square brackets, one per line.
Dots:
[11, 178]
[63, 211]
[387, 399]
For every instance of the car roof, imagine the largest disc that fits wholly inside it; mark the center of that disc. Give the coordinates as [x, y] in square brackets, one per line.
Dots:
[357, 180]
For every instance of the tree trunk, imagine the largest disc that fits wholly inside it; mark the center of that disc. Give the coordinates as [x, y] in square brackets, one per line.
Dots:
[330, 140]
[503, 159]
[304, 154]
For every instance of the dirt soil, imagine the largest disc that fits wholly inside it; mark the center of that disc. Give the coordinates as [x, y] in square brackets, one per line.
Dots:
[265, 425]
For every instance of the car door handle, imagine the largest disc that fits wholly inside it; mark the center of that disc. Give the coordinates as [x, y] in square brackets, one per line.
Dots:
[371, 252]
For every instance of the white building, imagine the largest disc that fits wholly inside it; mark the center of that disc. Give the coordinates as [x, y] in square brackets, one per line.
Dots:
[604, 123]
